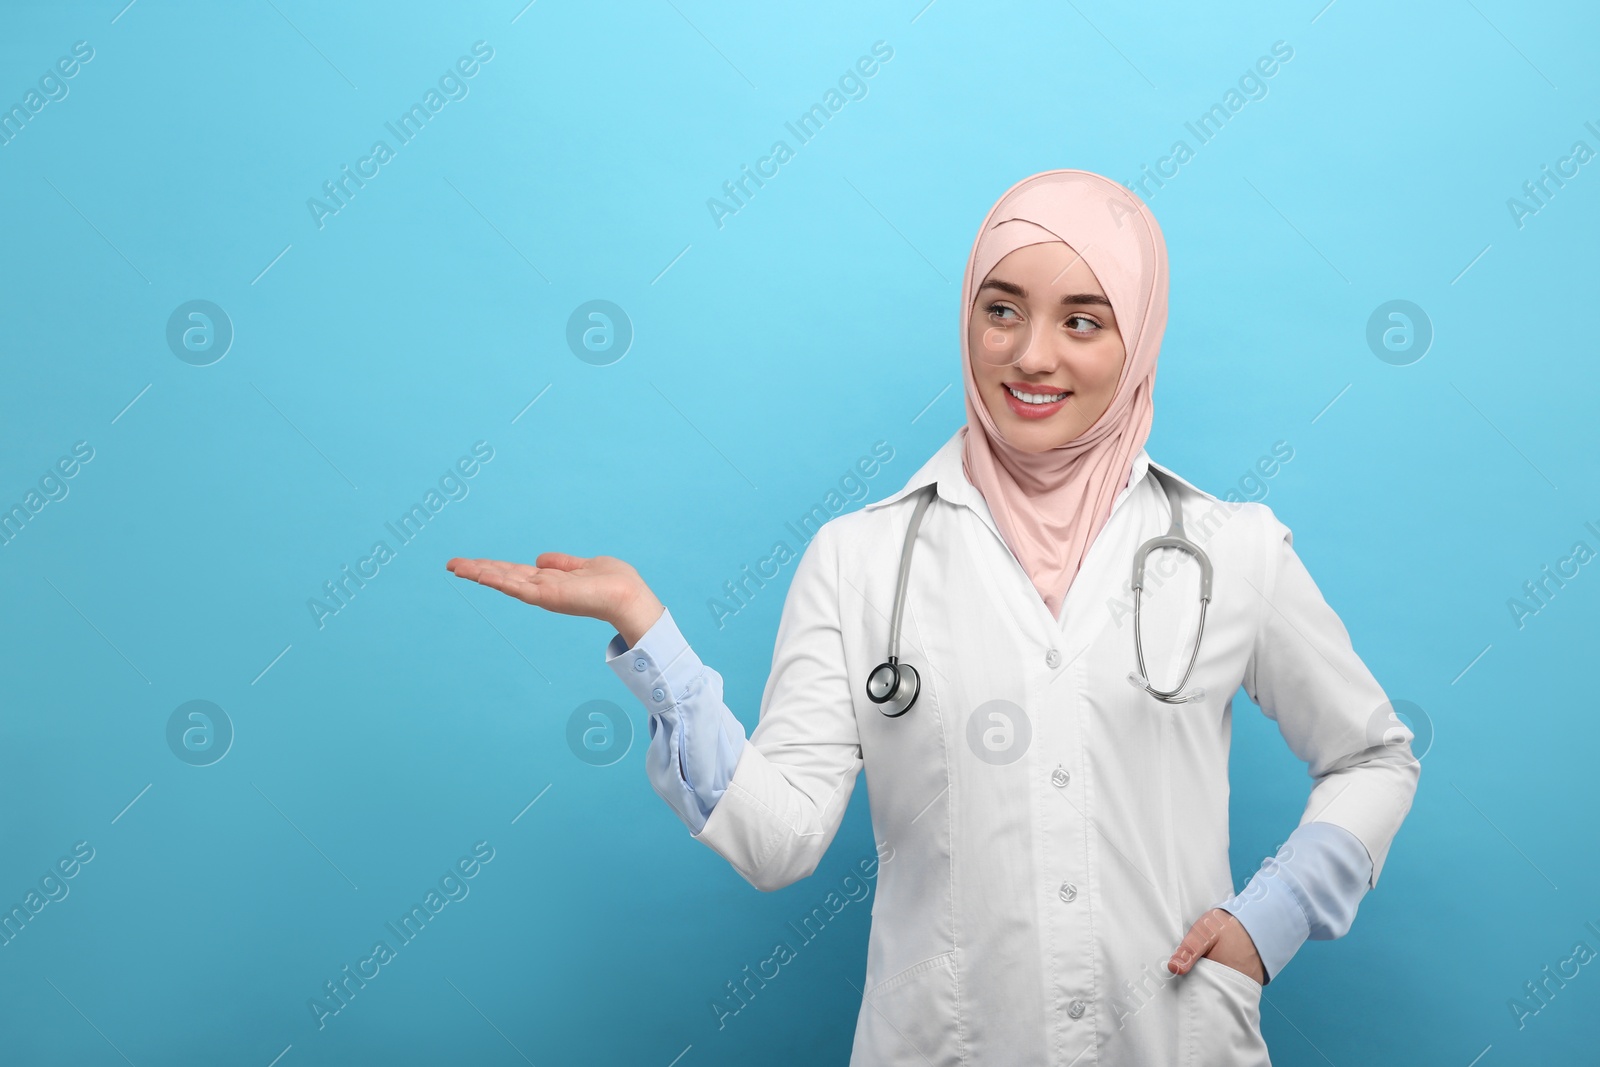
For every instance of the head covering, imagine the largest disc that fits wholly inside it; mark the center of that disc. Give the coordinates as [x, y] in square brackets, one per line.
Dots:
[1050, 505]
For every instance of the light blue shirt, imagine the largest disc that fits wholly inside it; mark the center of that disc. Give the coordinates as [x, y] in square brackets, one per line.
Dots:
[694, 738]
[1309, 890]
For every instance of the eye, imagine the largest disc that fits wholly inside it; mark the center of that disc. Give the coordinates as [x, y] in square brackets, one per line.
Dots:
[1078, 317]
[995, 309]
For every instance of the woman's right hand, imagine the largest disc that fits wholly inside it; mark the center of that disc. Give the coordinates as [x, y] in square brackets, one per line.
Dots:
[599, 587]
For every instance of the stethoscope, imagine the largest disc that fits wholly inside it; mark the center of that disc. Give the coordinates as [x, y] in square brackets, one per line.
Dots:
[894, 686]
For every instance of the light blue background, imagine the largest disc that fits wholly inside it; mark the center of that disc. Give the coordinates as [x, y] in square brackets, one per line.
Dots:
[429, 312]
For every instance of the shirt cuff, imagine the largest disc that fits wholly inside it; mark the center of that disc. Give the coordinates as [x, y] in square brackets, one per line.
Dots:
[1309, 890]
[1271, 914]
[659, 668]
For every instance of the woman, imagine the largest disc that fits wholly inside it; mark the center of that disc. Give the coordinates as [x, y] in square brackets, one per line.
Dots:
[1054, 880]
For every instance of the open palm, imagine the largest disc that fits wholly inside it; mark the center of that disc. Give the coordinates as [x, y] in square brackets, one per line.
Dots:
[600, 587]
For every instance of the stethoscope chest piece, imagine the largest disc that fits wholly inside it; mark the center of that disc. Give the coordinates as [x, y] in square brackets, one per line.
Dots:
[894, 687]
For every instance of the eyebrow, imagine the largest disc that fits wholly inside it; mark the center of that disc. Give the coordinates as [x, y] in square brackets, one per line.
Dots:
[1019, 291]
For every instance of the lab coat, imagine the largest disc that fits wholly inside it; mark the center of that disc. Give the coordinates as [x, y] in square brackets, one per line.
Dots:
[1047, 831]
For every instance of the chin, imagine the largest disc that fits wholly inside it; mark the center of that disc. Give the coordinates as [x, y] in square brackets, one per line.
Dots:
[1034, 437]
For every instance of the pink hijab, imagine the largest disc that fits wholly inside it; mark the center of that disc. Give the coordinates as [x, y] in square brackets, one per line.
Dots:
[1050, 505]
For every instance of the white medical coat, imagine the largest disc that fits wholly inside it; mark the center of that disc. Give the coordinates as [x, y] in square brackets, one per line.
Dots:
[1039, 868]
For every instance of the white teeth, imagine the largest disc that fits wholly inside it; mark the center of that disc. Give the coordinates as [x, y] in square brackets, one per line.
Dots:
[1035, 398]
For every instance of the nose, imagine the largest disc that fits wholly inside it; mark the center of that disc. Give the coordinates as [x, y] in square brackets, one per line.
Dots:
[1038, 355]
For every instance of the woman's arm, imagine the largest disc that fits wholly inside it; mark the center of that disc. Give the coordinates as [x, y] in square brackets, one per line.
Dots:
[1304, 674]
[694, 737]
[1309, 889]
[795, 775]
[793, 778]
[695, 740]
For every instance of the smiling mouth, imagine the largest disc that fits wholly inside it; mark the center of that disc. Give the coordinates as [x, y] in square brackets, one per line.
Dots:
[1038, 398]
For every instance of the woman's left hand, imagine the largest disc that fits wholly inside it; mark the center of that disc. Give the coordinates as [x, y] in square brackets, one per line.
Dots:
[1219, 936]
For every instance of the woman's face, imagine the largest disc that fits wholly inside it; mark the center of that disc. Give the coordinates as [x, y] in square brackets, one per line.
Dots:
[1046, 297]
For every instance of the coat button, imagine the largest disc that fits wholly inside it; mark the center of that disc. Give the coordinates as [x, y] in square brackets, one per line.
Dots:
[1052, 659]
[1060, 777]
[1075, 1009]
[659, 694]
[1069, 892]
[640, 664]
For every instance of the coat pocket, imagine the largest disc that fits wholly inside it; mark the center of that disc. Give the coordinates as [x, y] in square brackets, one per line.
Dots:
[911, 1018]
[1222, 1018]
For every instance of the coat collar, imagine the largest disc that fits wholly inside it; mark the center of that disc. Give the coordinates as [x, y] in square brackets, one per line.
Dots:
[943, 470]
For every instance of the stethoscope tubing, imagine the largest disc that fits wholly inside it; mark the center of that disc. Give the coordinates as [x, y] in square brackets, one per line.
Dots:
[894, 686]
